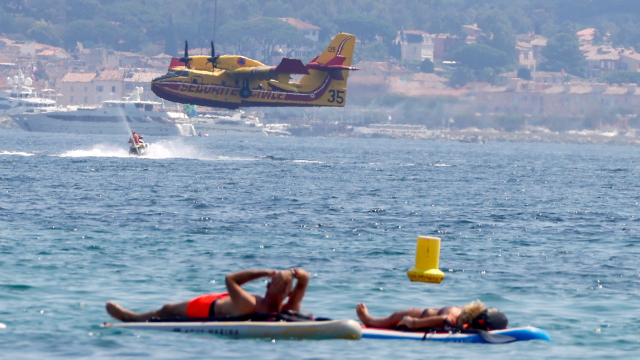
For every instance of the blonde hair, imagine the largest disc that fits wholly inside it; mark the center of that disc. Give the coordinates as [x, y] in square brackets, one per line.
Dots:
[470, 311]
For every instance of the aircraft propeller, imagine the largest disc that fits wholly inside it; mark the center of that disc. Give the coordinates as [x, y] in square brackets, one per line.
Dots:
[213, 57]
[186, 59]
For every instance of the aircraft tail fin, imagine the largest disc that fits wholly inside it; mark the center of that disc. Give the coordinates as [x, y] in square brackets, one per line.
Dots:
[336, 58]
[175, 62]
[341, 45]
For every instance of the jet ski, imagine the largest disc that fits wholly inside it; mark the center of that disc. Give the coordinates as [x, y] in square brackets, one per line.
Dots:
[138, 149]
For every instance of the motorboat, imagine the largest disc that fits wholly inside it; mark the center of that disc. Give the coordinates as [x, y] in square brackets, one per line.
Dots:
[235, 124]
[114, 117]
[22, 97]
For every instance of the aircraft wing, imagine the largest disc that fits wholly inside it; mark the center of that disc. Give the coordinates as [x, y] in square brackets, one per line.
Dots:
[287, 66]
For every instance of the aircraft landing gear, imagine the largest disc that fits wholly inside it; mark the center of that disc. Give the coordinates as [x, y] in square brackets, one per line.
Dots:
[245, 91]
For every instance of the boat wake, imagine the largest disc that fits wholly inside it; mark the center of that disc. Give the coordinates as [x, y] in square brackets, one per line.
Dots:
[157, 150]
[15, 153]
[100, 150]
[172, 149]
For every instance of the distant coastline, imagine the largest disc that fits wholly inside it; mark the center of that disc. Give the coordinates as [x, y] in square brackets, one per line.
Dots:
[592, 137]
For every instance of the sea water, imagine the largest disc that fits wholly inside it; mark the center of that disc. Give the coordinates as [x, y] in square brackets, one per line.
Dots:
[547, 233]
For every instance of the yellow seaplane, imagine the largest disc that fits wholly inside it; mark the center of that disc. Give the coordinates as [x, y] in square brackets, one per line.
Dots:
[230, 81]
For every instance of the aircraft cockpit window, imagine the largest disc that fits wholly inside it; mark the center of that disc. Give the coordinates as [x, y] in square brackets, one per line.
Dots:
[148, 107]
[139, 106]
[182, 73]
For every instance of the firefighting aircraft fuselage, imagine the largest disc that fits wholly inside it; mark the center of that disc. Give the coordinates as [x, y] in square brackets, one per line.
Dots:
[230, 81]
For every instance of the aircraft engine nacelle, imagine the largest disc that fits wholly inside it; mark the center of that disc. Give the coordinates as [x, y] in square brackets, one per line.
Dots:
[257, 73]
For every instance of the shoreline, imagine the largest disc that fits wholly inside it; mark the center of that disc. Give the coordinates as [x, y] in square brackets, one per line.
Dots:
[588, 137]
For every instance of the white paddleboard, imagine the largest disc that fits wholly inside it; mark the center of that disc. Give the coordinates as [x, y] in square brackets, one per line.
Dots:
[313, 330]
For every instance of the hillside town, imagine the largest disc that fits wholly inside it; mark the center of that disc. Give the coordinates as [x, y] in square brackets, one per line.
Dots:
[524, 98]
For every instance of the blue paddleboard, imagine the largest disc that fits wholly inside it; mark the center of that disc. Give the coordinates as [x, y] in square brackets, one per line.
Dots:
[489, 337]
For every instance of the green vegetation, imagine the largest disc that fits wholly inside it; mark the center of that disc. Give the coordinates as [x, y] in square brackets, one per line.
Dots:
[563, 53]
[478, 62]
[426, 66]
[265, 31]
[163, 24]
[621, 77]
[524, 74]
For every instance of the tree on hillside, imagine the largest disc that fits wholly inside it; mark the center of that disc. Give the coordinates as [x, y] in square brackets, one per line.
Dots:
[99, 32]
[6, 21]
[236, 35]
[373, 51]
[22, 24]
[449, 21]
[170, 44]
[498, 32]
[81, 9]
[426, 66]
[461, 76]
[479, 56]
[524, 74]
[45, 33]
[622, 77]
[563, 53]
[366, 28]
[540, 20]
[628, 35]
[477, 62]
[266, 32]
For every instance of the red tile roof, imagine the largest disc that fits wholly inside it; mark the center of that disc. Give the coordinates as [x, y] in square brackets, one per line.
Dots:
[110, 75]
[631, 54]
[301, 25]
[46, 53]
[142, 77]
[78, 77]
[586, 34]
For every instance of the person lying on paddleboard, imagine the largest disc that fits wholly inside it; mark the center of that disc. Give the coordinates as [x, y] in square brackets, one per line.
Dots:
[474, 315]
[235, 302]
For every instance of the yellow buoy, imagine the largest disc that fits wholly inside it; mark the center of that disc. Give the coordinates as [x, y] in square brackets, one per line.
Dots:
[427, 261]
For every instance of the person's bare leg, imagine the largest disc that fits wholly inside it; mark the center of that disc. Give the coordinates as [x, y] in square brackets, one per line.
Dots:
[167, 311]
[388, 322]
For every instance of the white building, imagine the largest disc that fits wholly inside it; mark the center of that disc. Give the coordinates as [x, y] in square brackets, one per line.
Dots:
[307, 30]
[415, 45]
[92, 88]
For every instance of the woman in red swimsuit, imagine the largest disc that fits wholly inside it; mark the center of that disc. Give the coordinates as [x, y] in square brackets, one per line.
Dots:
[234, 302]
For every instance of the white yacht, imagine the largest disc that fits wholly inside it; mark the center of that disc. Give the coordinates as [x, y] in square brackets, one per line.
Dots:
[277, 129]
[22, 98]
[238, 124]
[113, 117]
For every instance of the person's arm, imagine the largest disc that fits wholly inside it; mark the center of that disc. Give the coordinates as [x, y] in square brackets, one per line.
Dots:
[244, 302]
[437, 321]
[295, 298]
